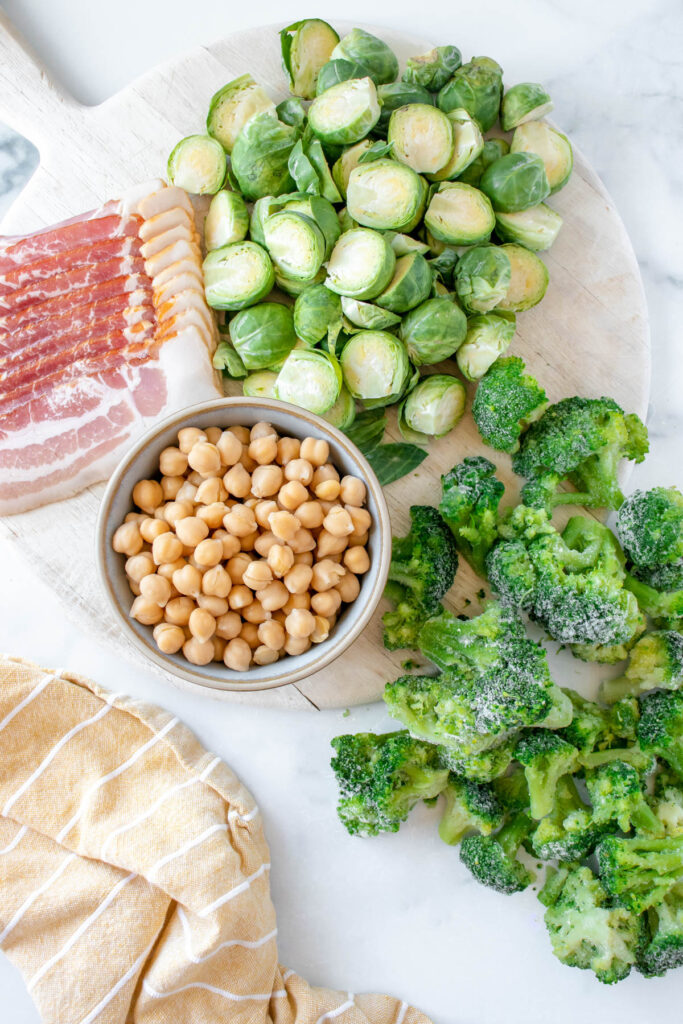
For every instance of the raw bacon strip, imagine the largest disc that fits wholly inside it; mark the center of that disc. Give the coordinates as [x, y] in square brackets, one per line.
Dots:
[55, 241]
[40, 270]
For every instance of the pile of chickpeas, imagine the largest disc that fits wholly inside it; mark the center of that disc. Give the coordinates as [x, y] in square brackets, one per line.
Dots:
[245, 547]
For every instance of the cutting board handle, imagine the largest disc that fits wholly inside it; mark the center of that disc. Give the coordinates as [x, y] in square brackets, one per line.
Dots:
[29, 102]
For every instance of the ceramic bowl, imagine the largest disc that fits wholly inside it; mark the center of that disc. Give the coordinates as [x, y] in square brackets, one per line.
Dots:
[143, 461]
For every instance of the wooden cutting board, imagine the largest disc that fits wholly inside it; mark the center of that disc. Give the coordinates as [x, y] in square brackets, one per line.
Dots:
[589, 336]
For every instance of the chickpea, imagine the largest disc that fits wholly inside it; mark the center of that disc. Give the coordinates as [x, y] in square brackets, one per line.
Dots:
[216, 605]
[231, 544]
[328, 490]
[166, 569]
[205, 458]
[297, 601]
[135, 517]
[303, 558]
[303, 540]
[272, 634]
[240, 520]
[202, 624]
[280, 559]
[321, 630]
[134, 588]
[187, 580]
[159, 513]
[249, 541]
[310, 515]
[348, 587]
[255, 612]
[173, 462]
[240, 596]
[326, 603]
[198, 652]
[212, 514]
[213, 434]
[177, 510]
[178, 610]
[166, 548]
[191, 531]
[257, 575]
[329, 544]
[169, 639]
[216, 581]
[150, 529]
[188, 437]
[249, 633]
[263, 450]
[194, 478]
[208, 552]
[241, 433]
[140, 565]
[146, 612]
[288, 449]
[228, 626]
[265, 542]
[170, 485]
[210, 490]
[218, 647]
[266, 480]
[148, 495]
[299, 469]
[360, 517]
[326, 574]
[291, 495]
[300, 623]
[357, 560]
[283, 524]
[229, 447]
[262, 429]
[265, 656]
[358, 539]
[353, 491]
[187, 492]
[297, 645]
[298, 579]
[237, 481]
[127, 539]
[247, 462]
[338, 522]
[327, 505]
[155, 588]
[315, 450]
[237, 655]
[236, 566]
[262, 510]
[274, 596]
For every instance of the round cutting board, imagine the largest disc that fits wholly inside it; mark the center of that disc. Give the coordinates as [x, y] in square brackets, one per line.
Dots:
[589, 336]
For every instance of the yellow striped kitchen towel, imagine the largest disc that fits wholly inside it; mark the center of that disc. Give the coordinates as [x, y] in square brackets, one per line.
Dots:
[134, 882]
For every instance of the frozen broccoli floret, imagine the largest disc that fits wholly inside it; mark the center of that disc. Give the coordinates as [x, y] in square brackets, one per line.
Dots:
[513, 791]
[667, 802]
[471, 494]
[656, 662]
[643, 761]
[639, 871]
[569, 832]
[616, 795]
[507, 401]
[662, 949]
[403, 623]
[546, 757]
[650, 526]
[481, 767]
[586, 929]
[660, 729]
[470, 806]
[596, 728]
[665, 607]
[493, 859]
[381, 778]
[582, 440]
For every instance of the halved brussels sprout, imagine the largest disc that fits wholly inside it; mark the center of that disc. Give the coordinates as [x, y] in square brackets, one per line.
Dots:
[527, 101]
[434, 406]
[306, 46]
[459, 214]
[316, 310]
[493, 150]
[260, 384]
[528, 281]
[295, 286]
[233, 106]
[422, 136]
[263, 335]
[198, 165]
[373, 54]
[347, 162]
[237, 275]
[488, 336]
[366, 316]
[336, 71]
[346, 112]
[295, 243]
[292, 112]
[432, 70]
[482, 277]
[535, 228]
[553, 147]
[361, 265]
[386, 195]
[227, 220]
[395, 95]
[375, 366]
[342, 414]
[403, 244]
[260, 157]
[477, 86]
[410, 285]
[433, 331]
[468, 142]
[515, 182]
[322, 212]
[310, 379]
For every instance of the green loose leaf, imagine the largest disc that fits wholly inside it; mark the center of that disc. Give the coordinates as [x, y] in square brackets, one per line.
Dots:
[376, 151]
[393, 461]
[225, 358]
[316, 155]
[292, 112]
[303, 172]
[368, 429]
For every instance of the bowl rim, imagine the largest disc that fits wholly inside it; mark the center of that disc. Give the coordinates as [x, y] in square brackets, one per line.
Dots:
[240, 683]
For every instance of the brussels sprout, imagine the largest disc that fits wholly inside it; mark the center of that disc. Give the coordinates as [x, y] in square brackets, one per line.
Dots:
[553, 147]
[422, 136]
[260, 157]
[386, 195]
[227, 220]
[476, 86]
[233, 106]
[527, 101]
[310, 379]
[295, 243]
[536, 228]
[336, 71]
[316, 311]
[346, 112]
[295, 286]
[260, 384]
[515, 182]
[371, 53]
[395, 95]
[361, 265]
[434, 406]
[482, 277]
[493, 150]
[263, 335]
[459, 215]
[440, 291]
[342, 414]
[261, 210]
[375, 367]
[292, 112]
[403, 244]
[528, 281]
[488, 336]
[468, 142]
[237, 275]
[432, 70]
[347, 162]
[306, 46]
[198, 165]
[366, 316]
[322, 212]
[410, 285]
[433, 331]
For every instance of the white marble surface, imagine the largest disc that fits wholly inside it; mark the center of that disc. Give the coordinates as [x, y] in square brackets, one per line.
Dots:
[399, 913]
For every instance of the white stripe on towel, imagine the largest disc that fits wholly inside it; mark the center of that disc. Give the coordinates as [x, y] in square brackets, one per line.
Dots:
[17, 916]
[31, 696]
[233, 892]
[233, 996]
[245, 943]
[339, 1010]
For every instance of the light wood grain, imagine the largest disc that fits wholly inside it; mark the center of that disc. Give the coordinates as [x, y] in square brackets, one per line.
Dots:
[588, 336]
